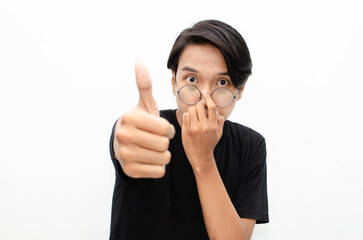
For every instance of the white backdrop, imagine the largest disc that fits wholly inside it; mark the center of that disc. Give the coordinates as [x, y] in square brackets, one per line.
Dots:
[66, 74]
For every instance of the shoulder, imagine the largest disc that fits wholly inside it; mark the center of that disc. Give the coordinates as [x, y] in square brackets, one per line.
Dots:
[245, 142]
[243, 133]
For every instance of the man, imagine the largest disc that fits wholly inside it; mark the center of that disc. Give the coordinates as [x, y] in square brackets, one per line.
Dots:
[190, 173]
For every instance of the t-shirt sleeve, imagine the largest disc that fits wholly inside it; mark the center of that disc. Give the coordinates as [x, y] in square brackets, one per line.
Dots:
[251, 194]
[119, 172]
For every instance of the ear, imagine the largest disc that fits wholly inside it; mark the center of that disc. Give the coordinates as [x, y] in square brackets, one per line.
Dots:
[173, 82]
[240, 92]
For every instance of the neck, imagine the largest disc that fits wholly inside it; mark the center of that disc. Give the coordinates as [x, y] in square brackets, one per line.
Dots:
[179, 117]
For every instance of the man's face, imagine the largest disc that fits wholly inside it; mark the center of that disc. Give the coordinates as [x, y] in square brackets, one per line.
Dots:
[203, 66]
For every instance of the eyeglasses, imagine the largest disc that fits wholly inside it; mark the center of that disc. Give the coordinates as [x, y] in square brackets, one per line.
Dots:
[190, 95]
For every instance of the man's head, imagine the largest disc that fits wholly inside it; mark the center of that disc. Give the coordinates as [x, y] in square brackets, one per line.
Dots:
[213, 58]
[222, 36]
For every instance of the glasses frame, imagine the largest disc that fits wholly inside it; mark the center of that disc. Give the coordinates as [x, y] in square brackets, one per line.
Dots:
[211, 94]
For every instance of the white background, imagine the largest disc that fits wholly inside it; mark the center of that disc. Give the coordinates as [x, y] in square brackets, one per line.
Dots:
[66, 74]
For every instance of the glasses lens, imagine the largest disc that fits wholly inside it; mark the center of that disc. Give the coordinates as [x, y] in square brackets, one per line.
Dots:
[222, 97]
[189, 94]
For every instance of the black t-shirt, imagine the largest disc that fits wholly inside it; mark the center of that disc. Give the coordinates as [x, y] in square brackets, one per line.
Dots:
[169, 207]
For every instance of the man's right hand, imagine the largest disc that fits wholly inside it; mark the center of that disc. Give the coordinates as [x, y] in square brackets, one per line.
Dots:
[141, 136]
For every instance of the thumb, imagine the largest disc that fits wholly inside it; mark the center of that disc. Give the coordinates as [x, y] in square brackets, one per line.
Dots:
[143, 81]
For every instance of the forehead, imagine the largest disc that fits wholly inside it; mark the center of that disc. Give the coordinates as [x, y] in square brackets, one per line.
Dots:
[202, 57]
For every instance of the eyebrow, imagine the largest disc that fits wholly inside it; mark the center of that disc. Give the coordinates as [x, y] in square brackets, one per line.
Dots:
[189, 69]
[186, 68]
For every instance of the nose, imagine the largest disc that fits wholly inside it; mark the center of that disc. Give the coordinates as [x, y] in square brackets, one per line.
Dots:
[202, 101]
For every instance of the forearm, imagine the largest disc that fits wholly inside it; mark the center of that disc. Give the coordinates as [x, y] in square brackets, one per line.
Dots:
[221, 218]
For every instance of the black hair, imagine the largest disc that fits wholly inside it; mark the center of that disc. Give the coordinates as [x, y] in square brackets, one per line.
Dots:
[224, 37]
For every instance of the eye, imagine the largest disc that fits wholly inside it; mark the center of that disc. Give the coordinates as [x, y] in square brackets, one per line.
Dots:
[191, 79]
[223, 82]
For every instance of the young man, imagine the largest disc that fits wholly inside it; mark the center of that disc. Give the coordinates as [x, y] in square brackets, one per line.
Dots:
[190, 173]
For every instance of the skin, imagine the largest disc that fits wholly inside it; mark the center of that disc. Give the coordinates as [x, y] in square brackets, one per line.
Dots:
[142, 136]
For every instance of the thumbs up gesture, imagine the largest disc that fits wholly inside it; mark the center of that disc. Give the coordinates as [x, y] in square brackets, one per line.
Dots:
[141, 136]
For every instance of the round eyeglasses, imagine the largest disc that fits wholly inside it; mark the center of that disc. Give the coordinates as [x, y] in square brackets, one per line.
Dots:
[190, 95]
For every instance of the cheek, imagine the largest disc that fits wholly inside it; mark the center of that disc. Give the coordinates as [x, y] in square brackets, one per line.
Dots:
[222, 112]
[181, 106]
[178, 102]
[173, 90]
[225, 112]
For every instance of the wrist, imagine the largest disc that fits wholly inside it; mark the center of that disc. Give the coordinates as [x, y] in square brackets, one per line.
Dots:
[205, 166]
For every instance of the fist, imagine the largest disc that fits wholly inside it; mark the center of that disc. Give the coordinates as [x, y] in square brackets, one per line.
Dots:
[141, 136]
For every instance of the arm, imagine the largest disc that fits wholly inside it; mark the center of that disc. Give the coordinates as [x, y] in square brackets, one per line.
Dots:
[221, 218]
[200, 135]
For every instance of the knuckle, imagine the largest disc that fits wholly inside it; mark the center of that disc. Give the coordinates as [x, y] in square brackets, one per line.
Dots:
[130, 116]
[124, 154]
[203, 129]
[212, 127]
[193, 130]
[124, 135]
[126, 118]
[120, 134]
[128, 170]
